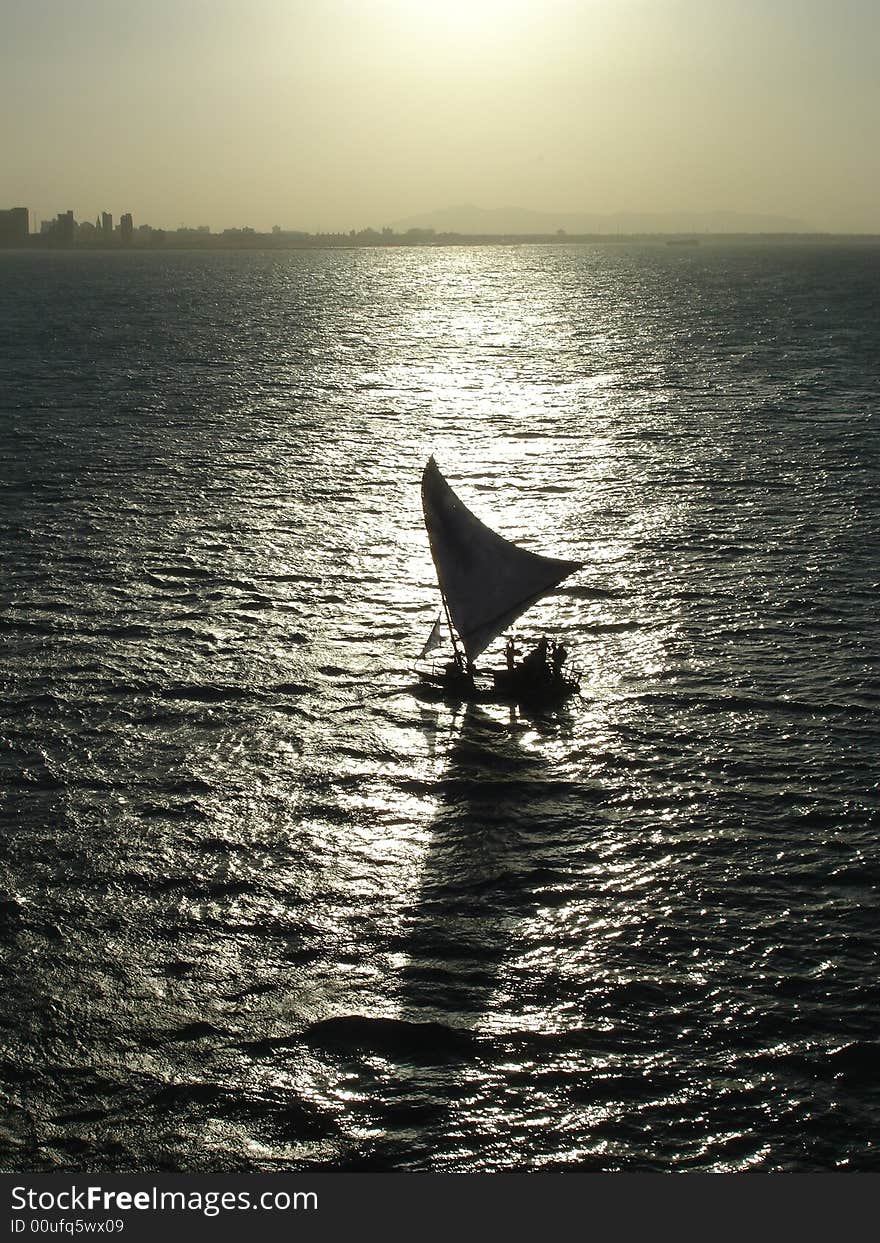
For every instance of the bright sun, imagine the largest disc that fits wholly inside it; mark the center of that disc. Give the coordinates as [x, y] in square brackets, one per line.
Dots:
[463, 13]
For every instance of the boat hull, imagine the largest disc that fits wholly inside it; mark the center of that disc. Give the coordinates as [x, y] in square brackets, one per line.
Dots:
[501, 686]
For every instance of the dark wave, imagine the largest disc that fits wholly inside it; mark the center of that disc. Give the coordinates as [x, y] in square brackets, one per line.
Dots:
[390, 1037]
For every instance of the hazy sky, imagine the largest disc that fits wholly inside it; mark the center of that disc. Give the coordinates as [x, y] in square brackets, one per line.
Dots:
[325, 114]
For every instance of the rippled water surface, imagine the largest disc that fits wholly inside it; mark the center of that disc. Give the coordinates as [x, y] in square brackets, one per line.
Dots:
[262, 906]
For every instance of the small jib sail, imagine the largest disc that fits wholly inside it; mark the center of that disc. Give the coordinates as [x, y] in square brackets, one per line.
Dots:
[486, 581]
[435, 638]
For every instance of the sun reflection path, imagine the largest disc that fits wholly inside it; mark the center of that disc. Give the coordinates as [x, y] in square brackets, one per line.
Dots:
[524, 914]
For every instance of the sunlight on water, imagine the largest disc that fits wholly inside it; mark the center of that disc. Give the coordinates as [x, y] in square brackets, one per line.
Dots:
[268, 908]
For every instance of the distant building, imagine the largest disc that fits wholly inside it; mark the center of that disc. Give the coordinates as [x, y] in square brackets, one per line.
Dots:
[126, 228]
[65, 227]
[14, 228]
[106, 227]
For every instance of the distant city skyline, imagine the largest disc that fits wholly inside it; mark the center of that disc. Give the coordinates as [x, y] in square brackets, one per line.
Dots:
[465, 220]
[327, 115]
[470, 218]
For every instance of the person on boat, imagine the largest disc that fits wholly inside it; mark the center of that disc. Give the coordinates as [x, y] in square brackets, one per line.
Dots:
[460, 669]
[536, 665]
[559, 655]
[510, 653]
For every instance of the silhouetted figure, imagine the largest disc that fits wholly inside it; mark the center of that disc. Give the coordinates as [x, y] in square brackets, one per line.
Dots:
[535, 664]
[460, 669]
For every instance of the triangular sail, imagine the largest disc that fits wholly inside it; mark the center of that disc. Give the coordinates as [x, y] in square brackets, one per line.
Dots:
[435, 638]
[487, 581]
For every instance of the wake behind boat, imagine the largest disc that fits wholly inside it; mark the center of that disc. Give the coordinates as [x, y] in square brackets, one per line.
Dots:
[486, 583]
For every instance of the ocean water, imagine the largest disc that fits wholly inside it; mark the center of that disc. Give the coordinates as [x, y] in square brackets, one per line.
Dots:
[265, 908]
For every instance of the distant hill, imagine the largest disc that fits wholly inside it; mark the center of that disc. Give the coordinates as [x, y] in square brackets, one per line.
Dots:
[517, 220]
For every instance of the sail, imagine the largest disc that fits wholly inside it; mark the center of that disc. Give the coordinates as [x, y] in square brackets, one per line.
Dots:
[435, 638]
[487, 581]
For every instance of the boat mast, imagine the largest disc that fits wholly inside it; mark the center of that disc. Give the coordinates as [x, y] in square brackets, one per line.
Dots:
[452, 633]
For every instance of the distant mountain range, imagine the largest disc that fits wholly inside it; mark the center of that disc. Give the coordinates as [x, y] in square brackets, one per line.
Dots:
[517, 220]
